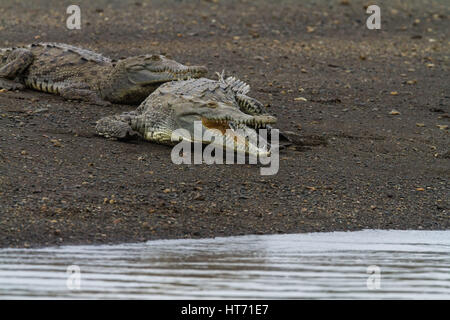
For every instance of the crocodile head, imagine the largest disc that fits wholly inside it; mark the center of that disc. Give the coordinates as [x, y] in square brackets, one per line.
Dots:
[222, 124]
[134, 78]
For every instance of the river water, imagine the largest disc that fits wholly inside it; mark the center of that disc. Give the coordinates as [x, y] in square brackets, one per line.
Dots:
[370, 264]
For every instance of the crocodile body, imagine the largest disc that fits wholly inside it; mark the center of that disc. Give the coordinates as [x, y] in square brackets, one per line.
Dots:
[222, 105]
[80, 74]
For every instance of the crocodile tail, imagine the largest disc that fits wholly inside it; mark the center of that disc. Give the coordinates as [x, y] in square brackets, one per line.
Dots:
[83, 53]
[220, 76]
[238, 86]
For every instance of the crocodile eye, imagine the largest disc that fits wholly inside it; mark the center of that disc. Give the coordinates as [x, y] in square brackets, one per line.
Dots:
[136, 67]
[155, 57]
[212, 104]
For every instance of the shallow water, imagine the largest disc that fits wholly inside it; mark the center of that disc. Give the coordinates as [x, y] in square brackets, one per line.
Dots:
[412, 265]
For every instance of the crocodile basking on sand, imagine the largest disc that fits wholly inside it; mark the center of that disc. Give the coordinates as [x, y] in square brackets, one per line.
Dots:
[221, 104]
[80, 74]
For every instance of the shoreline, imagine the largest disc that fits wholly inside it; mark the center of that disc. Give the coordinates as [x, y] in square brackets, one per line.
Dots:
[96, 244]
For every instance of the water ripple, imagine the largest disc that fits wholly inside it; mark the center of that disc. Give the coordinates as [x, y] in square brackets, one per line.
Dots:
[413, 265]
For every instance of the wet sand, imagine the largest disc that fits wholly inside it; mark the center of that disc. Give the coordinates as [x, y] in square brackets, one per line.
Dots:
[379, 98]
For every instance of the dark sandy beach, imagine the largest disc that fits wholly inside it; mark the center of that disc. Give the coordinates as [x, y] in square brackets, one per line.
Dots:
[379, 98]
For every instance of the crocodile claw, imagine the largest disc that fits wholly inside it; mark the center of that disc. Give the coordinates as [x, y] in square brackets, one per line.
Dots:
[11, 85]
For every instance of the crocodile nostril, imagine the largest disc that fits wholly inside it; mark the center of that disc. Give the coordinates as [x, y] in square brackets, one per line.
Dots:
[200, 70]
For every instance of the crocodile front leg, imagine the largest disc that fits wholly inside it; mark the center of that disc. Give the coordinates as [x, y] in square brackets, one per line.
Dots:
[117, 126]
[16, 63]
[10, 84]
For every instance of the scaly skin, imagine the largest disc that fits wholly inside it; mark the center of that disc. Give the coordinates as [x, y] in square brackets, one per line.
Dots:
[80, 74]
[222, 105]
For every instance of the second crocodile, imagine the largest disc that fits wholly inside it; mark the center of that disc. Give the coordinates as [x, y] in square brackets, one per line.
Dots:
[80, 74]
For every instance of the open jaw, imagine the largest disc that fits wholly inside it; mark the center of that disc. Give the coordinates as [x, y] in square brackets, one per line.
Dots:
[240, 135]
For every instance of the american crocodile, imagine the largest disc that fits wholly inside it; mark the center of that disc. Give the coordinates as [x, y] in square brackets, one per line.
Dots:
[222, 105]
[80, 74]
